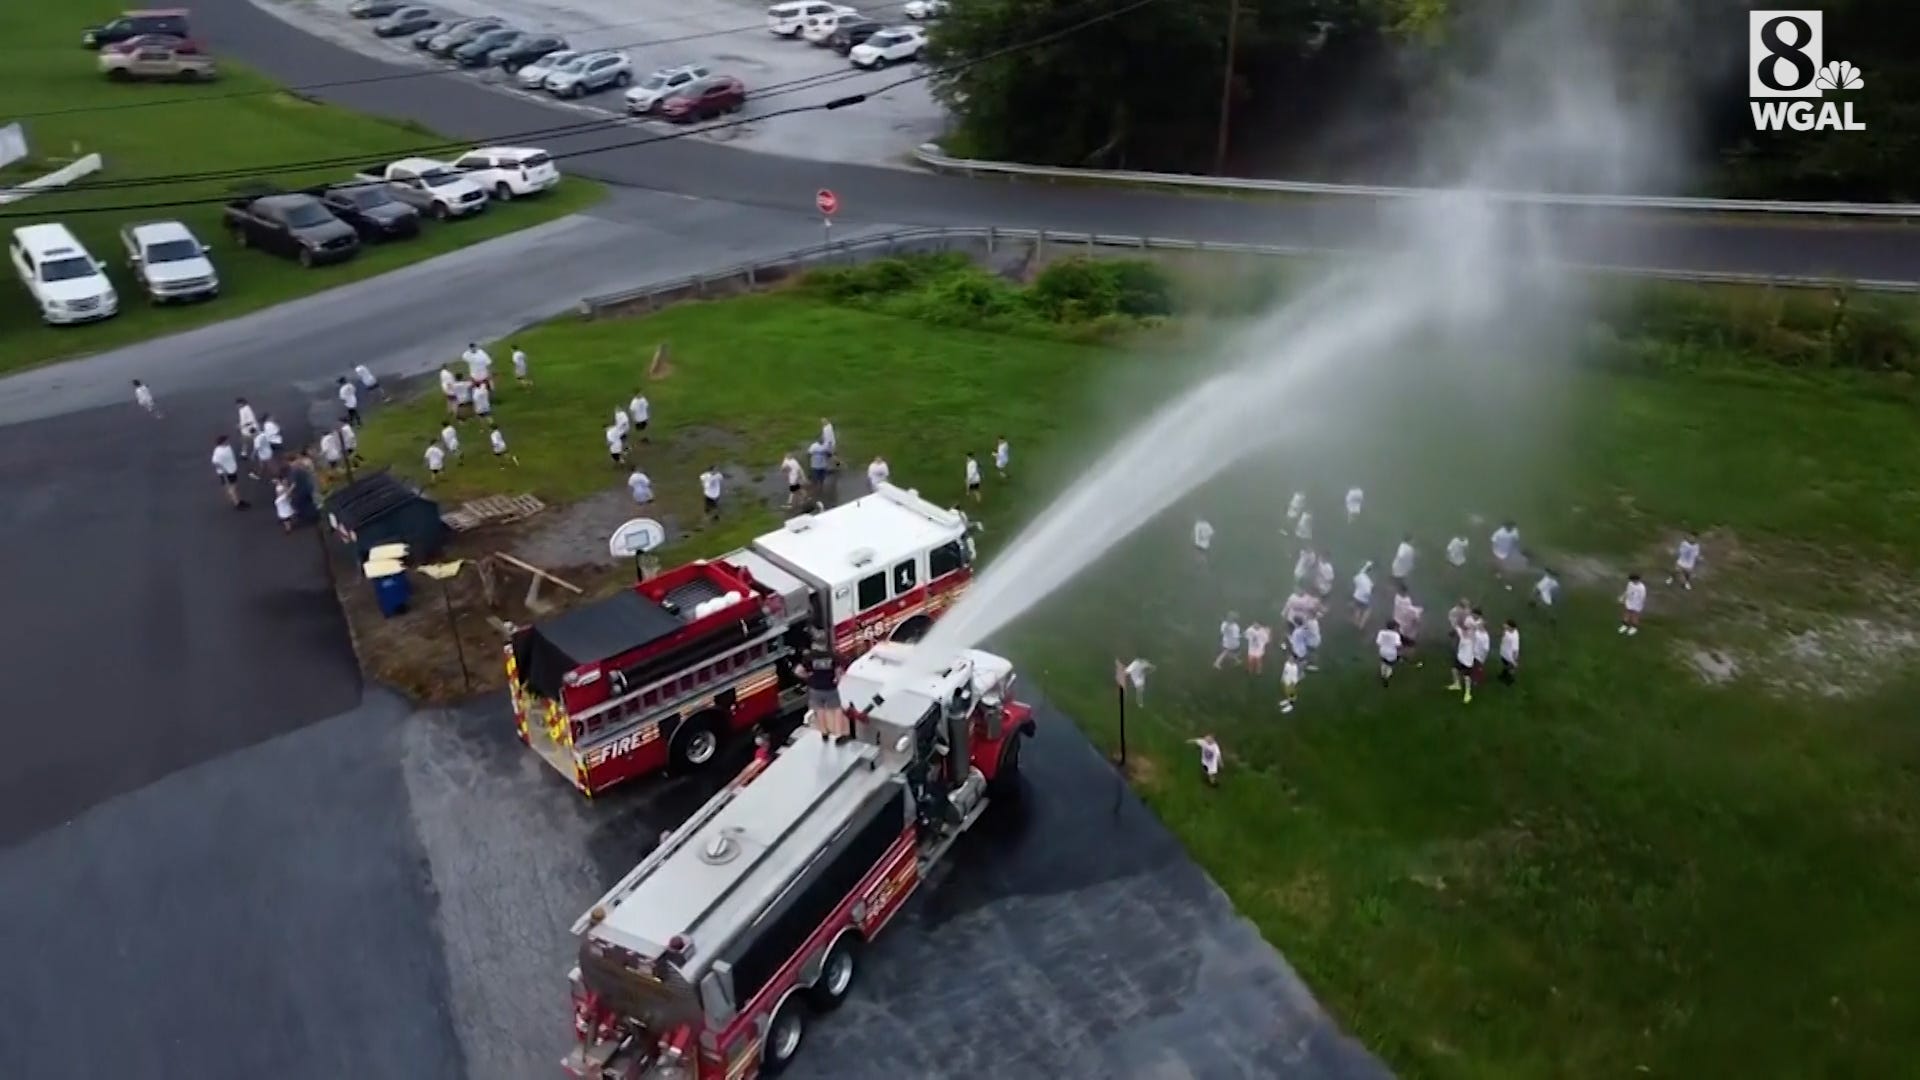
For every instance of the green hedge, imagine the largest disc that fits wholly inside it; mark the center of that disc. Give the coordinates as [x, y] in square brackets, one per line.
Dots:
[1078, 299]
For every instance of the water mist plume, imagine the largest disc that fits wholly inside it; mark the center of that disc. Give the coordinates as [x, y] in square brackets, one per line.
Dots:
[1459, 267]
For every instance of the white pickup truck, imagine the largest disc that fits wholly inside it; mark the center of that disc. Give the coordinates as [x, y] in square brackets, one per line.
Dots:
[433, 187]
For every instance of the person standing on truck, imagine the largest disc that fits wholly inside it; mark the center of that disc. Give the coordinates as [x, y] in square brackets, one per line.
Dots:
[824, 710]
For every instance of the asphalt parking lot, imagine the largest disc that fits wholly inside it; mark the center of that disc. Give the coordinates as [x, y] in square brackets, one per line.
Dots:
[728, 36]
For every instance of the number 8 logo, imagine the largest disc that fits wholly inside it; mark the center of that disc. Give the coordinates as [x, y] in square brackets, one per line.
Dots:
[1767, 68]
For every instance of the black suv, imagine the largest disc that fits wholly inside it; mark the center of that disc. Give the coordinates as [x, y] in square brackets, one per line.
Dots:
[848, 34]
[132, 24]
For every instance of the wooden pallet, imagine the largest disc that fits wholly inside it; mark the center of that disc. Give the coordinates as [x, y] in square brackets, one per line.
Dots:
[492, 510]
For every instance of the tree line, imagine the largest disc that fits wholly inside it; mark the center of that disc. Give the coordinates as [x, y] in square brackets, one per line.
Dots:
[1353, 89]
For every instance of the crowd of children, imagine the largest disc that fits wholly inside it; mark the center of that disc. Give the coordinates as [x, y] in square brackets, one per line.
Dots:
[1471, 639]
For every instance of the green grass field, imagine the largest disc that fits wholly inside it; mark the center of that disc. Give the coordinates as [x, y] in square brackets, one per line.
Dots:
[1689, 853]
[47, 70]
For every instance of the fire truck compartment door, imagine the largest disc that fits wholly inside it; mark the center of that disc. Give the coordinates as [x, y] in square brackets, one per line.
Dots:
[796, 594]
[595, 632]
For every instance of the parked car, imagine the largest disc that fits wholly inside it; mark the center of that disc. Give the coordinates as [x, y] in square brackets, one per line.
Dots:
[534, 76]
[706, 98]
[408, 20]
[527, 50]
[660, 85]
[790, 18]
[852, 32]
[156, 62]
[371, 209]
[68, 284]
[925, 9]
[595, 71]
[818, 28]
[430, 186]
[892, 46]
[171, 21]
[476, 52]
[296, 226]
[452, 37]
[169, 262]
[509, 171]
[374, 9]
[145, 41]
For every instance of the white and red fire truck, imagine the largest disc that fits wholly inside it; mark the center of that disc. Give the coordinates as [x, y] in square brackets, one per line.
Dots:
[710, 958]
[664, 672]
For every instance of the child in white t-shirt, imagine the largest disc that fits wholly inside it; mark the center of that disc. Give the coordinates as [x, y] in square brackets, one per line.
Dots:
[1258, 635]
[1506, 550]
[1544, 591]
[1230, 641]
[640, 486]
[1633, 600]
[1509, 652]
[143, 397]
[436, 458]
[1296, 506]
[1457, 552]
[283, 504]
[1303, 528]
[1685, 558]
[1304, 567]
[1323, 576]
[973, 477]
[616, 445]
[1135, 672]
[1402, 566]
[1289, 684]
[1462, 679]
[330, 454]
[1387, 642]
[450, 438]
[497, 439]
[1209, 758]
[1355, 499]
[1002, 456]
[1362, 594]
[1202, 538]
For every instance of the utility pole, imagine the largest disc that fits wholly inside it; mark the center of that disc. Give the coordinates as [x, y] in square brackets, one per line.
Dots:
[1226, 86]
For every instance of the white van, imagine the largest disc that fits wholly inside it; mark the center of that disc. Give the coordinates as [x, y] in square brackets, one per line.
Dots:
[787, 19]
[69, 284]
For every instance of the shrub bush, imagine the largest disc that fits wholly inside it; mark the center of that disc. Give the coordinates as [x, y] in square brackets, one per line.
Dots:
[1081, 289]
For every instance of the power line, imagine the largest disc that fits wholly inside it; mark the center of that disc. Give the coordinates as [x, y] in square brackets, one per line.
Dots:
[838, 103]
[397, 76]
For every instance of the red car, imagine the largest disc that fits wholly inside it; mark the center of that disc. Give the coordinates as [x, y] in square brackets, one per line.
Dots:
[707, 98]
[155, 41]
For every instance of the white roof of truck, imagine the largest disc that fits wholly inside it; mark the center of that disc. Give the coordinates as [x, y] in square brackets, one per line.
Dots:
[852, 540]
[888, 669]
[712, 882]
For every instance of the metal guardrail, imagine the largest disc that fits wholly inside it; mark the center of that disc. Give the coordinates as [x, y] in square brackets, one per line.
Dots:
[989, 240]
[933, 158]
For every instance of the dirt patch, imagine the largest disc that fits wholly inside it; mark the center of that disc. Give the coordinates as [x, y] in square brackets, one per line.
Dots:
[1586, 571]
[576, 534]
[1842, 657]
[1715, 667]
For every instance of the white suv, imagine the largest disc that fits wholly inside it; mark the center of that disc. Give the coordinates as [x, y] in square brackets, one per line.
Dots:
[507, 171]
[662, 85]
[70, 285]
[787, 20]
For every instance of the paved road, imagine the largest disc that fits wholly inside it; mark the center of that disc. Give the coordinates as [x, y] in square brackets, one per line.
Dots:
[460, 107]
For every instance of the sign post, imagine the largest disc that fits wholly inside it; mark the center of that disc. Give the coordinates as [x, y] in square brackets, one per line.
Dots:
[1120, 696]
[829, 204]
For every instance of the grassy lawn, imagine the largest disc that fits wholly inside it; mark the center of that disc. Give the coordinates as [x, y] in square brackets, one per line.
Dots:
[48, 70]
[1689, 853]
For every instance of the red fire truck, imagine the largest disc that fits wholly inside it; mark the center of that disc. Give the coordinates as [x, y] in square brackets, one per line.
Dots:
[664, 672]
[710, 958]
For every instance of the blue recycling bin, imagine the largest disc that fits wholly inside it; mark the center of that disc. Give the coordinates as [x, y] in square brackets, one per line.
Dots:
[392, 593]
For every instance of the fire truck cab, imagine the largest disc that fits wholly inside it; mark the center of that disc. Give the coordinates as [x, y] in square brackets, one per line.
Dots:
[709, 959]
[663, 673]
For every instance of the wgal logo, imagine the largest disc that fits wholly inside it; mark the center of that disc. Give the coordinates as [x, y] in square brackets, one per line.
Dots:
[1786, 78]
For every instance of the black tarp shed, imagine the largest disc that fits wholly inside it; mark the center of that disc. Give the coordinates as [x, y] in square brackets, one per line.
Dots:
[624, 621]
[379, 509]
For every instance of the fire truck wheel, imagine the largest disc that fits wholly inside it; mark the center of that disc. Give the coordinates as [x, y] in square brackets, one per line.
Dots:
[784, 1036]
[1006, 779]
[837, 973]
[696, 744]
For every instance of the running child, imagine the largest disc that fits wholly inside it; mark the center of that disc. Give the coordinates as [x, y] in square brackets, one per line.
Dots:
[1402, 566]
[1258, 635]
[283, 504]
[1002, 456]
[450, 438]
[1633, 601]
[1509, 652]
[349, 396]
[1356, 498]
[1506, 551]
[1300, 642]
[330, 453]
[1685, 558]
[249, 426]
[973, 477]
[1387, 643]
[1323, 576]
[520, 367]
[1289, 684]
[1482, 646]
[616, 445]
[226, 469]
[1406, 615]
[1544, 591]
[1304, 566]
[143, 397]
[1462, 679]
[436, 459]
[1362, 595]
[462, 397]
[640, 486]
[483, 402]
[790, 468]
[1303, 528]
[1312, 627]
[270, 428]
[370, 382]
[877, 473]
[1230, 641]
[1296, 506]
[640, 410]
[622, 421]
[1202, 539]
[479, 366]
[1457, 552]
[349, 441]
[1209, 758]
[447, 381]
[497, 439]
[1135, 672]
[711, 482]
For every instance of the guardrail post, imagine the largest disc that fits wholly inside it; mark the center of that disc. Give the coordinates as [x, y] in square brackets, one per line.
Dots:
[753, 278]
[700, 286]
[993, 234]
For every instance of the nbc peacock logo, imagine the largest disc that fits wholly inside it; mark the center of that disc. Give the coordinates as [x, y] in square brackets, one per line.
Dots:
[1788, 80]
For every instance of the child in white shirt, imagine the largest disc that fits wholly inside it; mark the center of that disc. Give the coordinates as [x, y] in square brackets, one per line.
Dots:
[622, 421]
[877, 473]
[1209, 758]
[143, 397]
[1509, 652]
[450, 438]
[369, 381]
[1407, 616]
[1506, 549]
[1323, 576]
[1312, 627]
[249, 425]
[1229, 641]
[1684, 560]
[1482, 646]
[283, 504]
[1002, 456]
[1135, 672]
[497, 439]
[1303, 529]
[1289, 684]
[1258, 635]
[436, 459]
[616, 445]
[447, 381]
[1296, 506]
[1462, 679]
[1202, 538]
[641, 487]
[1355, 499]
[1457, 552]
[1300, 641]
[641, 412]
[520, 374]
[482, 400]
[349, 440]
[1304, 567]
[330, 450]
[1633, 600]
[271, 429]
[1402, 566]
[710, 484]
[973, 477]
[462, 396]
[790, 466]
[1362, 594]
[1544, 591]
[1387, 641]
